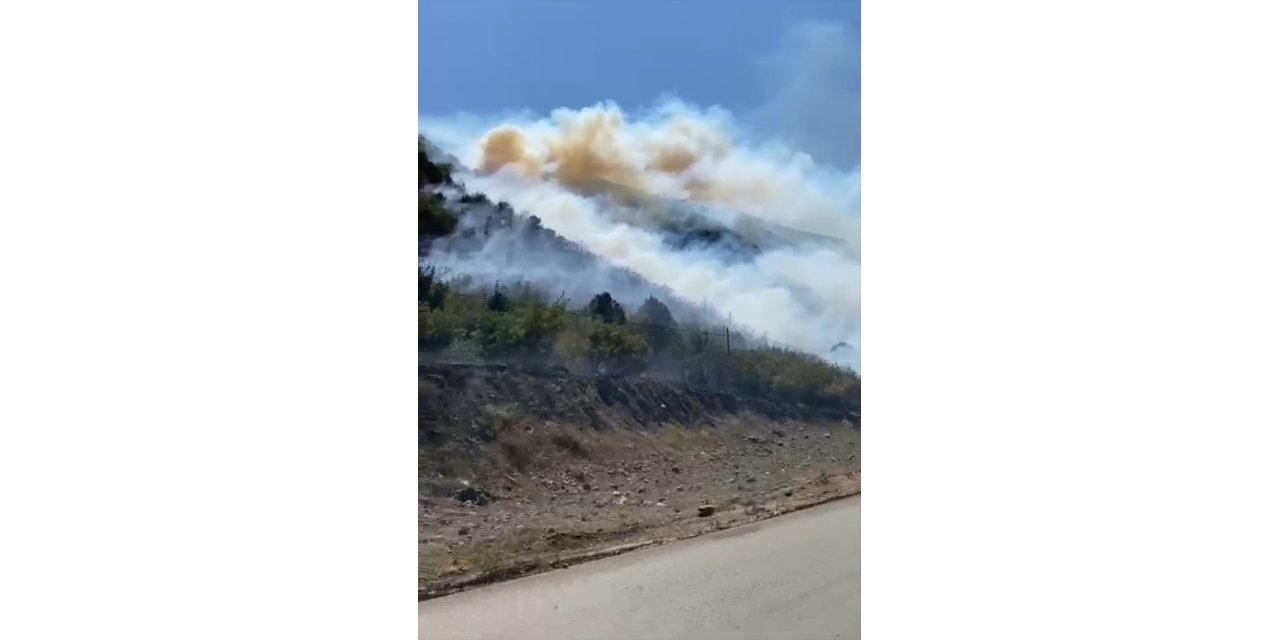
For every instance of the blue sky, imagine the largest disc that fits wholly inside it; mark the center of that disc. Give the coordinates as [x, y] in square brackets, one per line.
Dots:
[786, 68]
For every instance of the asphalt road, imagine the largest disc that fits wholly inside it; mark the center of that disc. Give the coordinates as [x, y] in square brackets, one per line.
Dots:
[794, 576]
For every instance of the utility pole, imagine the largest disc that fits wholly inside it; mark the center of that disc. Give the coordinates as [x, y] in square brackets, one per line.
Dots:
[726, 341]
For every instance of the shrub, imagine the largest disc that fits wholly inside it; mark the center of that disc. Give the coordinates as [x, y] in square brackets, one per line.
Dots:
[527, 332]
[616, 350]
[436, 329]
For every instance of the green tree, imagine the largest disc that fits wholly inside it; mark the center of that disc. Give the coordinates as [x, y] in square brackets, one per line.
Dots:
[499, 301]
[606, 309]
[660, 327]
[431, 291]
[434, 220]
[431, 173]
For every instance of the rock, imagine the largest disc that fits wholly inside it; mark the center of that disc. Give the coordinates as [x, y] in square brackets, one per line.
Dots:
[617, 493]
[751, 479]
[659, 504]
[779, 432]
[586, 486]
[706, 510]
[473, 495]
[675, 469]
[788, 492]
[463, 531]
[827, 434]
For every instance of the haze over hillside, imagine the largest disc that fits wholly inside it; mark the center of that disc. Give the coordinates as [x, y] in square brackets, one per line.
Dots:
[718, 208]
[779, 248]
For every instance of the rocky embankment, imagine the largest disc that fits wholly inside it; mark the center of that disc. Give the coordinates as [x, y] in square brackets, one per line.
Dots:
[524, 470]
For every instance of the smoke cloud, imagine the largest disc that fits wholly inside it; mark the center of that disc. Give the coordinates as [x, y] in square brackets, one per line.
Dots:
[580, 170]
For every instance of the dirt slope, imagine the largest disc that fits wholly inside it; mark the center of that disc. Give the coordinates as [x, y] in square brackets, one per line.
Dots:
[522, 470]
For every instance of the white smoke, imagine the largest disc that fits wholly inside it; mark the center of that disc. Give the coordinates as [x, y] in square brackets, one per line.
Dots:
[569, 168]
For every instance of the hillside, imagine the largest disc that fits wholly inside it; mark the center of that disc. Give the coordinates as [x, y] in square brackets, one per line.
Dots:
[493, 284]
[562, 418]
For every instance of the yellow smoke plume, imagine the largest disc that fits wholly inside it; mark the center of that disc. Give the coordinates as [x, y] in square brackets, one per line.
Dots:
[677, 153]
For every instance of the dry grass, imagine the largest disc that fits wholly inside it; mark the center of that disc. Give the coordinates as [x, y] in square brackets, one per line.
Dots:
[682, 440]
[494, 420]
[501, 554]
[524, 447]
[571, 444]
[433, 561]
[449, 461]
[734, 426]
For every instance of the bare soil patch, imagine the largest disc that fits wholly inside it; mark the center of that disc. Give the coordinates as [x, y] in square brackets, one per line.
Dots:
[522, 471]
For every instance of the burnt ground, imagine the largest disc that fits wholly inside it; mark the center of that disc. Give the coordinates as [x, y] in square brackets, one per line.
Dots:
[526, 470]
